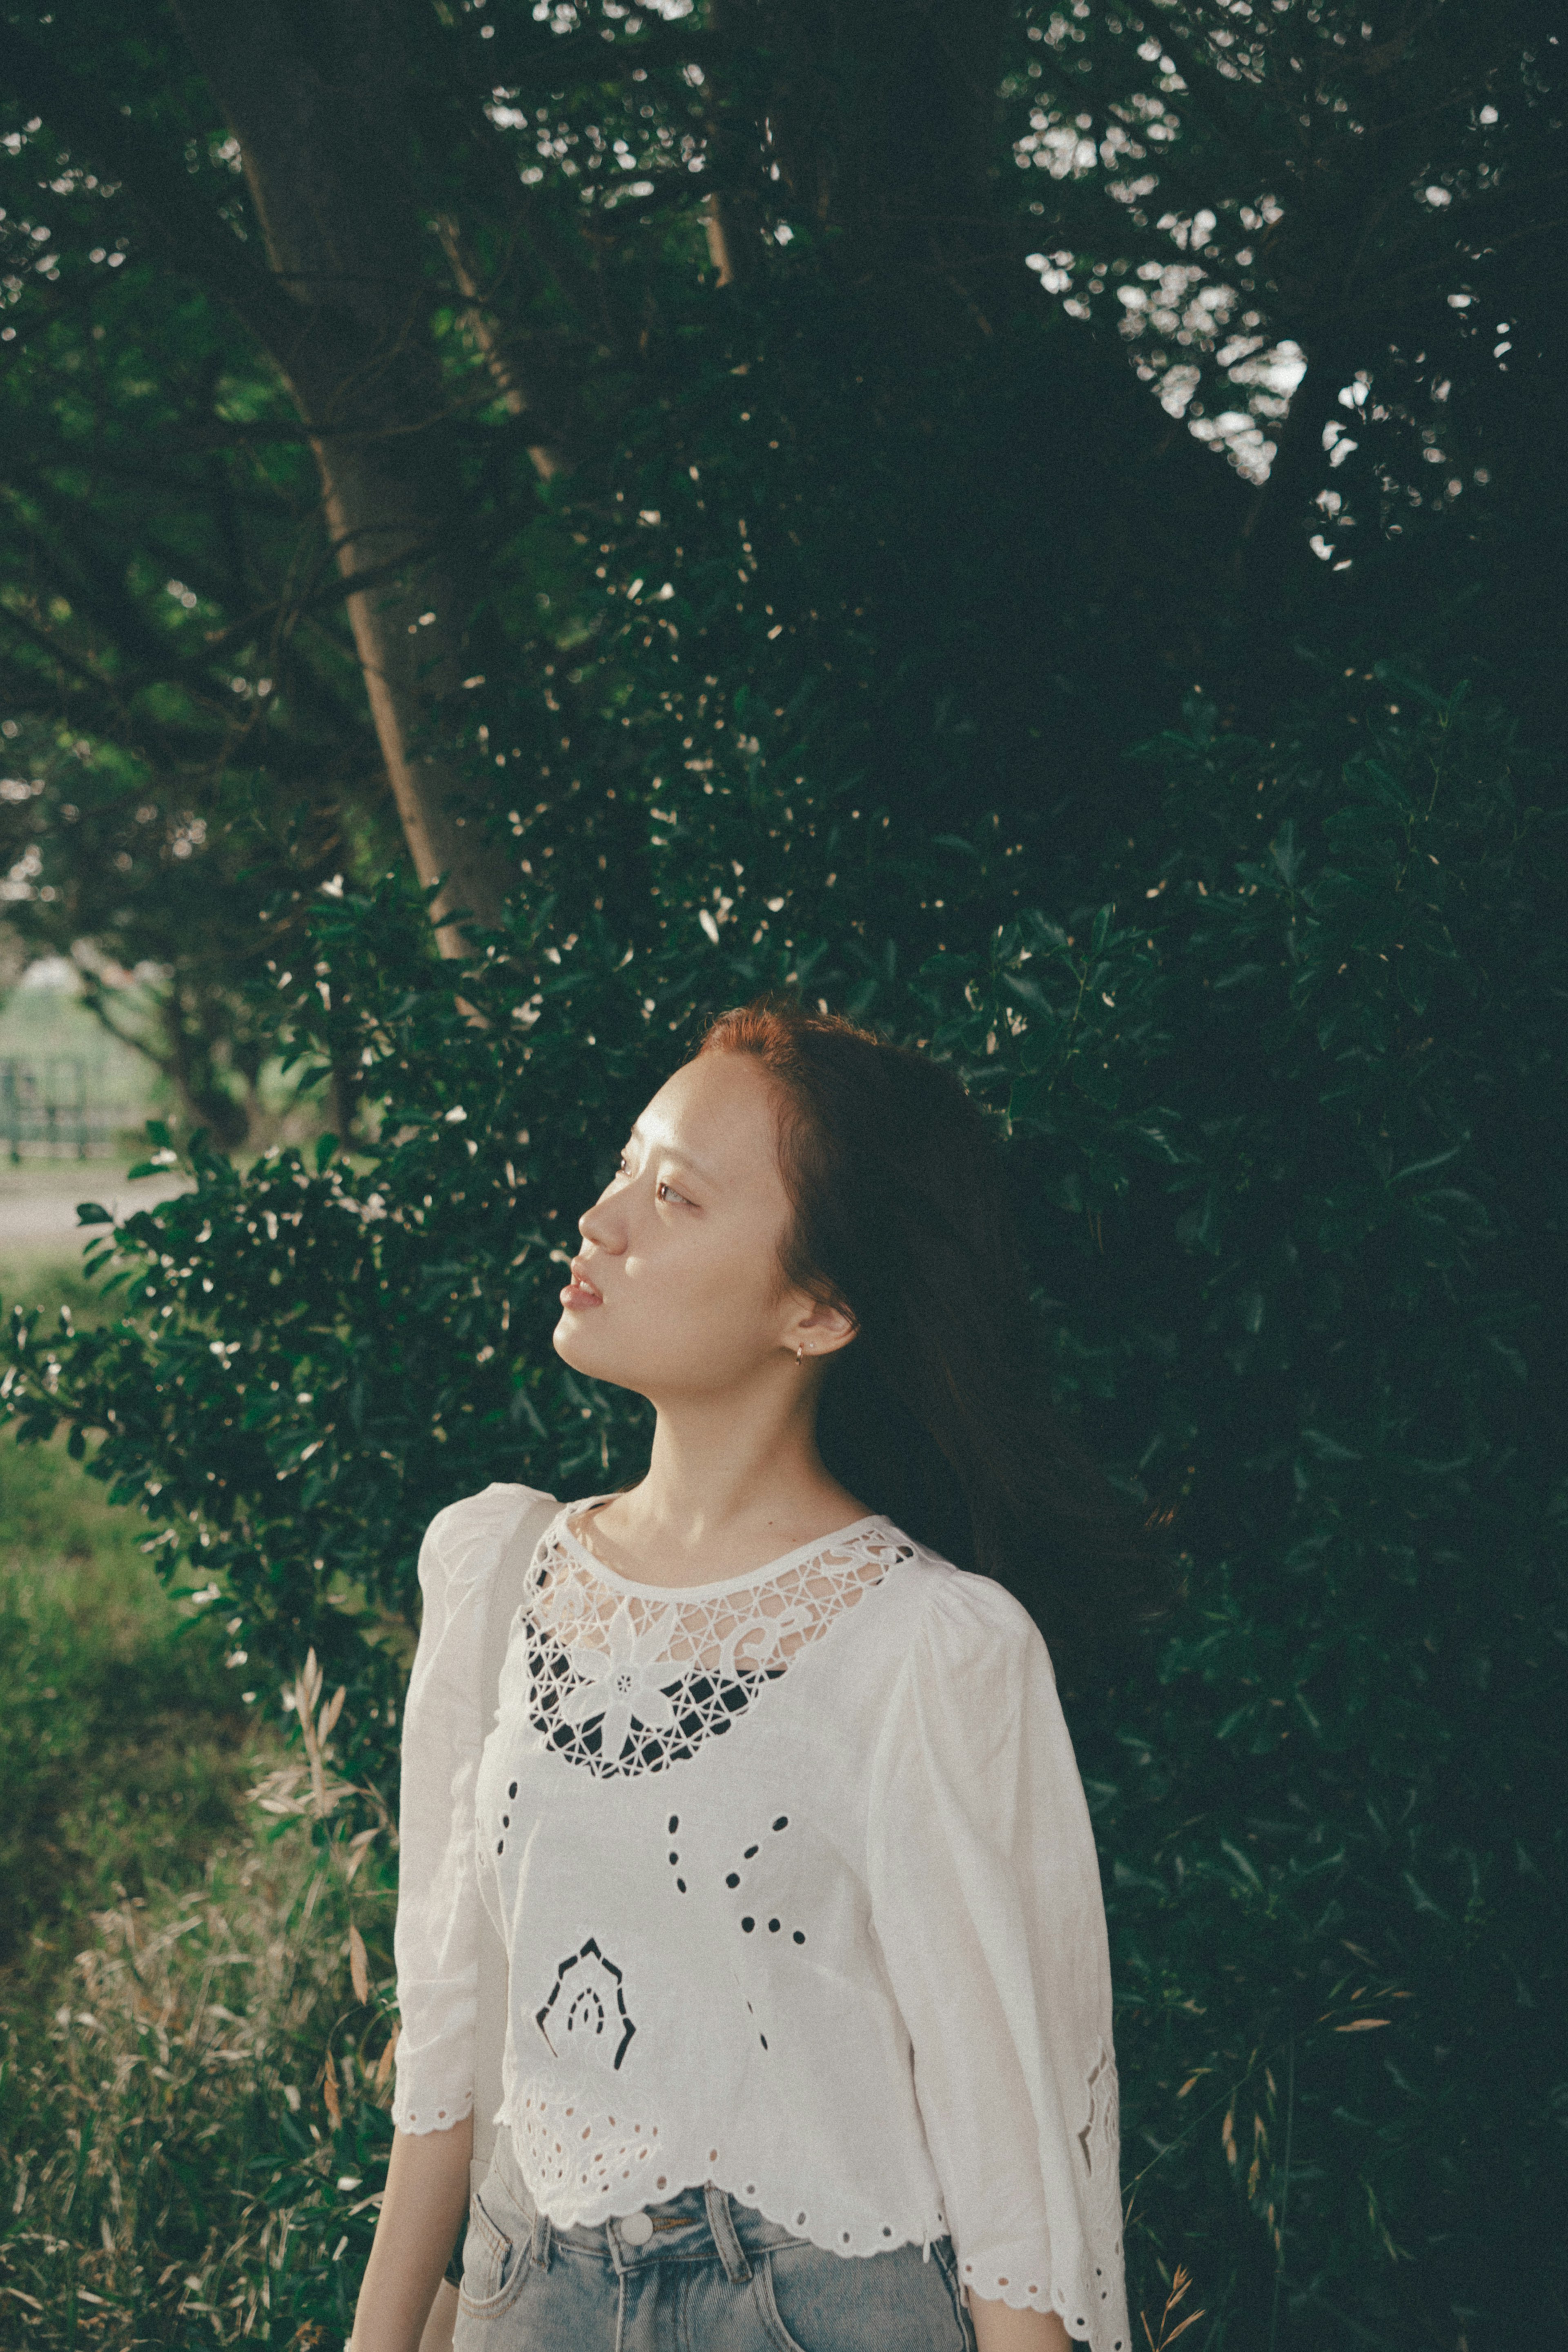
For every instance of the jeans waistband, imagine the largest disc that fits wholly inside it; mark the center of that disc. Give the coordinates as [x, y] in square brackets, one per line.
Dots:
[696, 2224]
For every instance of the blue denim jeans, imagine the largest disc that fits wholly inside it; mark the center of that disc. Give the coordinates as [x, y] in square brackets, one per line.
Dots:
[710, 2276]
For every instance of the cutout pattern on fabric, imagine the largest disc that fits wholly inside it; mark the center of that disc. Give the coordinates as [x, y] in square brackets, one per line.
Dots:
[586, 2015]
[738, 1881]
[622, 1683]
[568, 2150]
[1099, 2142]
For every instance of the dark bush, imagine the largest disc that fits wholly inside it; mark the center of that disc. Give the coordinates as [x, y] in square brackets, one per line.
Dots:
[1285, 1124]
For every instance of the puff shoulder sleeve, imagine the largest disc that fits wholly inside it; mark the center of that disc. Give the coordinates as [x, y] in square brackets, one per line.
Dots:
[985, 1898]
[437, 1938]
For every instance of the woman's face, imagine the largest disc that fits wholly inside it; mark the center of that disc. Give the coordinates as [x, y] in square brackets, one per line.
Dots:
[676, 1290]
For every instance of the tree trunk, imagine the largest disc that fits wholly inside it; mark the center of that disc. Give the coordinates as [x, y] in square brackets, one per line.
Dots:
[316, 102]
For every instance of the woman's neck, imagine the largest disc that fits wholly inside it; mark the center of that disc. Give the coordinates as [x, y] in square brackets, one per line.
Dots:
[731, 1484]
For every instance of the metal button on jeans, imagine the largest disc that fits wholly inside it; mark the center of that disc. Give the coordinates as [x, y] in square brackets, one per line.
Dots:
[637, 2229]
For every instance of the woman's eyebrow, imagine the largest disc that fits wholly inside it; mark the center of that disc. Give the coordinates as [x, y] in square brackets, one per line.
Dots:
[674, 1151]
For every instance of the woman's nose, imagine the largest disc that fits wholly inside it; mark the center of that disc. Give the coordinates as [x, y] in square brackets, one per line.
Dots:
[596, 1225]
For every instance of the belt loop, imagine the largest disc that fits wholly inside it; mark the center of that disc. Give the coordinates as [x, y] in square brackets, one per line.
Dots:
[541, 2239]
[731, 2253]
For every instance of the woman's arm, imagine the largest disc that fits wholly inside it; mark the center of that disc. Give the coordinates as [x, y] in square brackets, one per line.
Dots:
[985, 1892]
[999, 2328]
[422, 2212]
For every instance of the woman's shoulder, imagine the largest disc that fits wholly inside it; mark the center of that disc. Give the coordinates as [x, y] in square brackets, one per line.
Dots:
[960, 1615]
[465, 1539]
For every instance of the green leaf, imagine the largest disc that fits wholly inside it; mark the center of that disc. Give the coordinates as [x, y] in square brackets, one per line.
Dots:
[1329, 1449]
[1243, 1863]
[1437, 1159]
[1286, 854]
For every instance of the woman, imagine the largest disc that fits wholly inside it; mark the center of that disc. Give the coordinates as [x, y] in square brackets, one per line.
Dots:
[808, 2022]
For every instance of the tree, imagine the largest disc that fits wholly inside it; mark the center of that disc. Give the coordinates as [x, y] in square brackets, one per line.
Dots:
[935, 303]
[164, 894]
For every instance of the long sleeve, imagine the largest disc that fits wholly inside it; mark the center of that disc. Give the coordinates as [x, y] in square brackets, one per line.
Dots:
[986, 1899]
[439, 1916]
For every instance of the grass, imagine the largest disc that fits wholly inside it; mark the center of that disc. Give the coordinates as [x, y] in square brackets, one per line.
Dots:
[124, 1745]
[188, 2070]
[37, 1278]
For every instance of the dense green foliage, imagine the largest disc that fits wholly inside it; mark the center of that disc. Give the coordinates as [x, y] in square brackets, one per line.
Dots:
[1283, 1132]
[922, 474]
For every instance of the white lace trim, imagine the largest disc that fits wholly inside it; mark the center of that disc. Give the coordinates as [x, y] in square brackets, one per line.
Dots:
[584, 2163]
[625, 1679]
[1099, 2140]
[432, 2119]
[1086, 2314]
[573, 2155]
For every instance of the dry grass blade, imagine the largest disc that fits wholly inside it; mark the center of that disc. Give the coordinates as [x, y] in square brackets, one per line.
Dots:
[1168, 2334]
[384, 2062]
[355, 1851]
[358, 1966]
[311, 1787]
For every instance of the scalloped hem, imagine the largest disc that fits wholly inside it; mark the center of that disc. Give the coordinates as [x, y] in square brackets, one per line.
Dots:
[617, 2204]
[1032, 2298]
[443, 2119]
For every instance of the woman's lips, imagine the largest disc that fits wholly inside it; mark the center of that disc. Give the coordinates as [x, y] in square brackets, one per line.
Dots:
[579, 1291]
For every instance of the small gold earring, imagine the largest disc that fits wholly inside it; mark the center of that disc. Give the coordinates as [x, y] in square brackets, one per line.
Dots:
[799, 1352]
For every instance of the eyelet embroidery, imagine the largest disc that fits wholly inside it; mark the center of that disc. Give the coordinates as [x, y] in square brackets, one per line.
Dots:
[570, 2149]
[734, 1880]
[607, 2173]
[586, 2012]
[623, 1683]
[1100, 2143]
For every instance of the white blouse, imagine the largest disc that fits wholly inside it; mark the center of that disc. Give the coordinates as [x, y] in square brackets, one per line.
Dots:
[800, 1895]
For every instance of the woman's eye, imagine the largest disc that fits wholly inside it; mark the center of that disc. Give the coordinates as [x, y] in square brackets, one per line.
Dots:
[666, 1192]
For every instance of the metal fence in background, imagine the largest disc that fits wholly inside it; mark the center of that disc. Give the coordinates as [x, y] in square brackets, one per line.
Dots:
[49, 1107]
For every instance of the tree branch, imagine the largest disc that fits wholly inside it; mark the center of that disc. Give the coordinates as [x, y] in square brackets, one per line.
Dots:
[195, 238]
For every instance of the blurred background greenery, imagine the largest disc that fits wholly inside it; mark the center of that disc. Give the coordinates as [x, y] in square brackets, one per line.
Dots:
[1032, 525]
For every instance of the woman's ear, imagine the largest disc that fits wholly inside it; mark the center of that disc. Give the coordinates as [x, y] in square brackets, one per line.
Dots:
[819, 1329]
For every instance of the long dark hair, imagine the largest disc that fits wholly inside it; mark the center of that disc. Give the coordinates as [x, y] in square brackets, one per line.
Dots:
[937, 1413]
